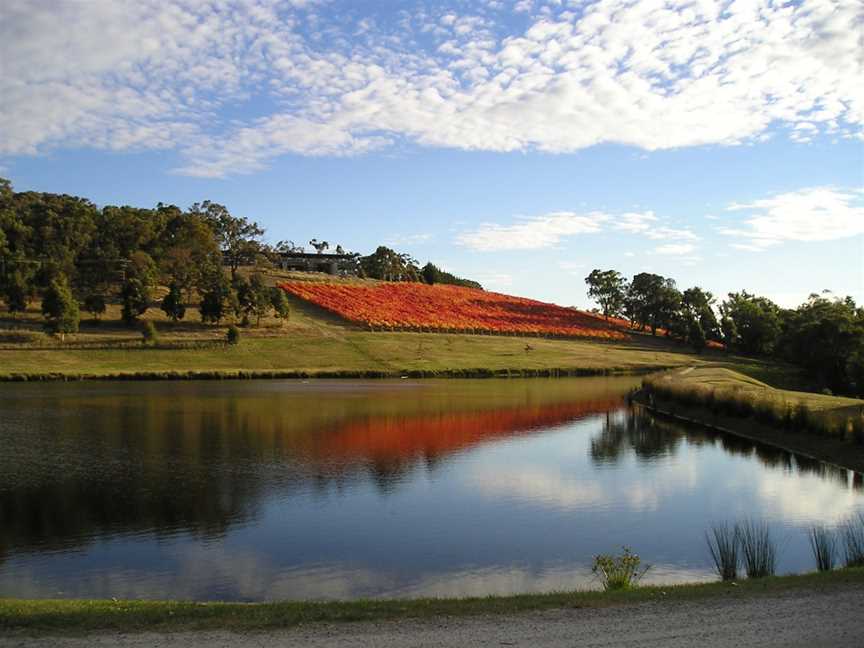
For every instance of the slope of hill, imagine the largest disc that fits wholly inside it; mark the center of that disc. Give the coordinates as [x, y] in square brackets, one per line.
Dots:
[453, 309]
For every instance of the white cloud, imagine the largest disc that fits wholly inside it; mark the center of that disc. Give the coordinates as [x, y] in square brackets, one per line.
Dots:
[814, 214]
[488, 279]
[676, 249]
[670, 233]
[635, 222]
[409, 239]
[531, 233]
[551, 229]
[232, 84]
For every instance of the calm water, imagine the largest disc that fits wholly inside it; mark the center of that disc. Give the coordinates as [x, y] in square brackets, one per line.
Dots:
[286, 490]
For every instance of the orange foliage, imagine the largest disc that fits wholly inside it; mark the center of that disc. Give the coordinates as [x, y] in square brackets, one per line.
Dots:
[445, 308]
[392, 440]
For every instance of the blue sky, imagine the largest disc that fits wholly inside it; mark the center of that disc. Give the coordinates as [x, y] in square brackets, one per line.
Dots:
[521, 143]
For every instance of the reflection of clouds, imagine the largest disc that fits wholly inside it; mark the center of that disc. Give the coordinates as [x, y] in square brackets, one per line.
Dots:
[535, 485]
[221, 575]
[540, 487]
[805, 497]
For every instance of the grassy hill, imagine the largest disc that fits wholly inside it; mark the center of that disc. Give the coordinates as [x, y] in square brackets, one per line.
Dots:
[315, 342]
[312, 342]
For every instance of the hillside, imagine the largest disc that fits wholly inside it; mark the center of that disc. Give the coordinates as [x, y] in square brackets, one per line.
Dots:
[453, 309]
[312, 342]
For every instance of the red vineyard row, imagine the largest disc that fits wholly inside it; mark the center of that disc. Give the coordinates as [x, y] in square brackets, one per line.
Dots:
[445, 308]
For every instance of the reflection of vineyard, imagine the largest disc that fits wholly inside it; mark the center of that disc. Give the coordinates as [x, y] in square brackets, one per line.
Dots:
[390, 446]
[208, 470]
[648, 438]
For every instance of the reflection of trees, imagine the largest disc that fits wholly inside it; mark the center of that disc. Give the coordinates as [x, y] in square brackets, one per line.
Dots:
[163, 466]
[632, 430]
[637, 431]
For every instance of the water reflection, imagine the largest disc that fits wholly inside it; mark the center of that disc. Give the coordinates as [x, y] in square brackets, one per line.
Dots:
[270, 490]
[638, 433]
[82, 463]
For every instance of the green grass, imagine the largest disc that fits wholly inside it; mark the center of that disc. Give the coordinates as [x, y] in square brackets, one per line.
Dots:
[722, 389]
[313, 342]
[80, 616]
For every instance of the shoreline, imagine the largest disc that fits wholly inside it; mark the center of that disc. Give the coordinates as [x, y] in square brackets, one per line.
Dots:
[291, 374]
[838, 453]
[76, 616]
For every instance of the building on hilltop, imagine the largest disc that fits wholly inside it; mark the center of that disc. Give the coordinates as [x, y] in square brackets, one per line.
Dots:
[334, 264]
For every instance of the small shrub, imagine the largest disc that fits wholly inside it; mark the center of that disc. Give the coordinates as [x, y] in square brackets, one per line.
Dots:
[852, 533]
[233, 335]
[619, 572]
[723, 545]
[823, 543]
[757, 548]
[149, 333]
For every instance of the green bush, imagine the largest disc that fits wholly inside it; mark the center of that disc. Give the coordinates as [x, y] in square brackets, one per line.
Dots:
[619, 572]
[233, 335]
[149, 333]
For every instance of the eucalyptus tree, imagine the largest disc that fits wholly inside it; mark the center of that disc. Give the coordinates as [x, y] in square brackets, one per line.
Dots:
[609, 289]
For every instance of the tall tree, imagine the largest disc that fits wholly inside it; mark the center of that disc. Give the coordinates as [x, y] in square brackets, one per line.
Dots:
[16, 292]
[238, 237]
[652, 301]
[390, 265]
[755, 320]
[279, 303]
[608, 288]
[823, 335]
[60, 308]
[261, 298]
[217, 299]
[172, 303]
[319, 246]
[136, 291]
[94, 304]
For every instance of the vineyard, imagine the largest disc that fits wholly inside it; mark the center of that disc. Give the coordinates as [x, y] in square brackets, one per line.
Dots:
[445, 308]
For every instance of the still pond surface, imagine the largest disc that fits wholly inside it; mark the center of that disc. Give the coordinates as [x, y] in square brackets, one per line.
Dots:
[291, 490]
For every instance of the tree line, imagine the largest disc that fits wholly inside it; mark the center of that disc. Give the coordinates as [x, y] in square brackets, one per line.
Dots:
[824, 335]
[73, 255]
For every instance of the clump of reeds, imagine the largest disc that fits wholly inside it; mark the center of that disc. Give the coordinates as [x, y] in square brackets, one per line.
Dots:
[723, 543]
[852, 532]
[823, 543]
[619, 572]
[758, 549]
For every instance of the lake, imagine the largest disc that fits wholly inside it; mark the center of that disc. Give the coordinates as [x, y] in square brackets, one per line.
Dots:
[265, 490]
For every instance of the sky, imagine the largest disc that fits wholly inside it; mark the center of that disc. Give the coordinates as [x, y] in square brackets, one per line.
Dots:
[521, 143]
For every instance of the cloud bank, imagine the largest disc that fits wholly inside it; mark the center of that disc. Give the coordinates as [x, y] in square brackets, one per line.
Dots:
[232, 84]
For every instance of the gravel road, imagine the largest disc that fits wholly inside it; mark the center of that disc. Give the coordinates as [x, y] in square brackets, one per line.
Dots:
[799, 618]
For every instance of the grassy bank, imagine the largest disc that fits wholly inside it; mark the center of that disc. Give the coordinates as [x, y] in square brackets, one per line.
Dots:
[78, 616]
[312, 343]
[826, 427]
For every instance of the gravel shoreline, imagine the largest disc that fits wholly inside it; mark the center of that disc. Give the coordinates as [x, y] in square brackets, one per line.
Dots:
[805, 617]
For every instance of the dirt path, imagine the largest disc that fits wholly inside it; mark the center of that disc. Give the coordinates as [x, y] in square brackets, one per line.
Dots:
[797, 618]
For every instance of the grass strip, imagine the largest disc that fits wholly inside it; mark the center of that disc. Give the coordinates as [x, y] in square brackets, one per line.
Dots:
[87, 616]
